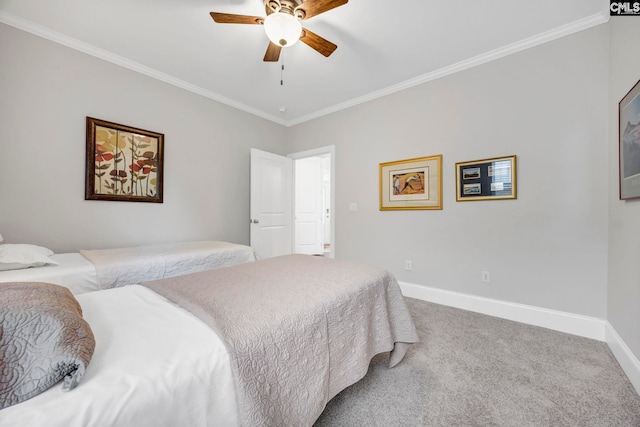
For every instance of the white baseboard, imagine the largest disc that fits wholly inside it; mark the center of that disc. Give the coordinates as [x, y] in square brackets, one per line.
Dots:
[584, 326]
[625, 357]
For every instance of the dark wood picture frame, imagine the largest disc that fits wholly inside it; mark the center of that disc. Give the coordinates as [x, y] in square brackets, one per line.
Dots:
[123, 163]
[629, 144]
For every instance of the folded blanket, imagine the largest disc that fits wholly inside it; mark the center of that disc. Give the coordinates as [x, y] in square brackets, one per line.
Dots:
[43, 339]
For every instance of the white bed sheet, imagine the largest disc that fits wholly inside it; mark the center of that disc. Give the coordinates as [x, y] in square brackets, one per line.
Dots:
[154, 365]
[73, 271]
[124, 266]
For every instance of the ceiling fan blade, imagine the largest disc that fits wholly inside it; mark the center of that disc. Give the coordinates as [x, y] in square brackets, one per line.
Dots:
[229, 18]
[316, 7]
[273, 53]
[316, 42]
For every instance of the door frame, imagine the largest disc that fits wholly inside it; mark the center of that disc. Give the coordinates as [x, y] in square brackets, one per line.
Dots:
[321, 151]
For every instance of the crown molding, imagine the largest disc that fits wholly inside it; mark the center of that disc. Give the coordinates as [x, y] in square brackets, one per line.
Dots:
[94, 51]
[512, 48]
[554, 34]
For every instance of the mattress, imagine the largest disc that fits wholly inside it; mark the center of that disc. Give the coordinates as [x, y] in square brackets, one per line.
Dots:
[154, 364]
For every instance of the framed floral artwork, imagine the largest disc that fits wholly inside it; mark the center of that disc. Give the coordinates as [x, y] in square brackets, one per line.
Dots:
[411, 184]
[123, 163]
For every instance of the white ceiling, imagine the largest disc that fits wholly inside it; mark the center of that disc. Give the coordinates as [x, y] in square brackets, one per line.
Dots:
[382, 46]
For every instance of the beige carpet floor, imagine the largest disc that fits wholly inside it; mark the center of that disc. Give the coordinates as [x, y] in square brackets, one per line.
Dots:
[471, 369]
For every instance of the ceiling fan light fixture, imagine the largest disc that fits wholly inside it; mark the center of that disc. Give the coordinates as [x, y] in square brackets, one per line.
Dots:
[283, 29]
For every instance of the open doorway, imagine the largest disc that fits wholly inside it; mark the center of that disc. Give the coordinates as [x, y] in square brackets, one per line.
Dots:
[314, 183]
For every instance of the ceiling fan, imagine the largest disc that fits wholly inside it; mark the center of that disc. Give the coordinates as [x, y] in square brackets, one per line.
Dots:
[283, 26]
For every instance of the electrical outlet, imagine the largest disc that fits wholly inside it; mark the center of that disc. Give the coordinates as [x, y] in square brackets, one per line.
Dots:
[408, 265]
[484, 277]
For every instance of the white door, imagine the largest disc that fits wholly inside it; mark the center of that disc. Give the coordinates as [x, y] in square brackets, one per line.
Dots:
[271, 204]
[327, 153]
[308, 202]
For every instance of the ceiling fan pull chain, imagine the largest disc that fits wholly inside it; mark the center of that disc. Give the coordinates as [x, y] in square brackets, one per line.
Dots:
[282, 70]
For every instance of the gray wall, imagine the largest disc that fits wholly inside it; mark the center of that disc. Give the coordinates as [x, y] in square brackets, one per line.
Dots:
[46, 90]
[548, 106]
[624, 228]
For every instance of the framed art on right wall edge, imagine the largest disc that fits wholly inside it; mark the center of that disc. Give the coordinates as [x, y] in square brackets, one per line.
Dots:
[629, 143]
[486, 179]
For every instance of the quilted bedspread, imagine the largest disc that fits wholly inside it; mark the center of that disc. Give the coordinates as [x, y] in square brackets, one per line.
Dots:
[126, 266]
[43, 339]
[299, 329]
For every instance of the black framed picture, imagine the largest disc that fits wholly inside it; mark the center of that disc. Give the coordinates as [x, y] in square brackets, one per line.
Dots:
[486, 179]
[629, 143]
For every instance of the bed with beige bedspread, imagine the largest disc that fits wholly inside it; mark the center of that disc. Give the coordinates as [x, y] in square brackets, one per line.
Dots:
[264, 343]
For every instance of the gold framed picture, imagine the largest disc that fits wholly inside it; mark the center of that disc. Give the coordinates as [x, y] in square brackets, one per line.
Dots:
[486, 179]
[411, 184]
[123, 163]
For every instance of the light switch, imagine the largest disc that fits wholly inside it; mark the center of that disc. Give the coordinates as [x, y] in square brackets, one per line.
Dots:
[353, 207]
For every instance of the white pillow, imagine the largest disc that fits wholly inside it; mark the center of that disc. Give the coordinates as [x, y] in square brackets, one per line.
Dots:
[18, 256]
